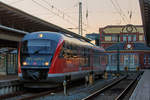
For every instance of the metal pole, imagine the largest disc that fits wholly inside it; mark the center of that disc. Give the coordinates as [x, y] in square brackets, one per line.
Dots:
[118, 57]
[80, 18]
[65, 87]
[6, 63]
[129, 61]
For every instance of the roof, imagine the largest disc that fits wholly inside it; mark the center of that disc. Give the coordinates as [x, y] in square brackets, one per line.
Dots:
[55, 36]
[122, 29]
[45, 35]
[136, 47]
[145, 12]
[17, 19]
[12, 30]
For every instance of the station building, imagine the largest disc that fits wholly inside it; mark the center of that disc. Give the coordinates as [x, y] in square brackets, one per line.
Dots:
[128, 42]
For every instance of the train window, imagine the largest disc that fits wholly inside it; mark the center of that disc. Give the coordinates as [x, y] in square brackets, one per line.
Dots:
[24, 46]
[68, 50]
[38, 46]
[64, 45]
[75, 50]
[86, 57]
[62, 52]
[68, 46]
[82, 51]
[71, 46]
[36, 52]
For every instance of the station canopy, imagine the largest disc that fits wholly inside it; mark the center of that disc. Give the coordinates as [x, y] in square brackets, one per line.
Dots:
[17, 19]
[145, 12]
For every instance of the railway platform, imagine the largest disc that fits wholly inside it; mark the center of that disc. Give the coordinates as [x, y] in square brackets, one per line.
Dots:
[8, 77]
[9, 84]
[142, 90]
[7, 80]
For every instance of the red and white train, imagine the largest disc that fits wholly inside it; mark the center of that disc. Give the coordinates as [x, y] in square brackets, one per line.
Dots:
[45, 58]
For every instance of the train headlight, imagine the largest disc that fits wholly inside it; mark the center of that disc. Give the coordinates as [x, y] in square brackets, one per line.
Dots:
[24, 63]
[40, 35]
[46, 63]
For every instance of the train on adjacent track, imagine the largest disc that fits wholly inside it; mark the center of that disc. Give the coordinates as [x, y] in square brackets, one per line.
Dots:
[46, 58]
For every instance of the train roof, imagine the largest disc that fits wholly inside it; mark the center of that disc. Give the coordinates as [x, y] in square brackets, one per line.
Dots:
[45, 35]
[56, 36]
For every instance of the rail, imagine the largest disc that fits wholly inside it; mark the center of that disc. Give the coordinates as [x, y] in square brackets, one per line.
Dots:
[103, 89]
[122, 95]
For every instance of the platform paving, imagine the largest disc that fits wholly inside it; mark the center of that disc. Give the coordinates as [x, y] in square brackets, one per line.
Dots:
[142, 90]
[8, 77]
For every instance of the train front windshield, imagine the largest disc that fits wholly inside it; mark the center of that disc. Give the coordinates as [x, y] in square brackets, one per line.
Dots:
[37, 52]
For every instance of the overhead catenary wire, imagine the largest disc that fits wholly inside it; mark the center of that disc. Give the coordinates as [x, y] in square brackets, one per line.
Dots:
[121, 11]
[58, 10]
[61, 14]
[87, 12]
[130, 11]
[53, 12]
[14, 2]
[118, 11]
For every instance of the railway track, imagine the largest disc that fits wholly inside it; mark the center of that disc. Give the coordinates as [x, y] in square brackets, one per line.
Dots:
[28, 95]
[36, 95]
[117, 90]
[10, 95]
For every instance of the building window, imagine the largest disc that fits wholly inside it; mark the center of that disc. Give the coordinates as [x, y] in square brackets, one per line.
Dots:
[110, 60]
[107, 38]
[124, 38]
[144, 38]
[126, 60]
[144, 59]
[121, 59]
[148, 59]
[129, 38]
[114, 38]
[135, 59]
[140, 37]
[134, 38]
[131, 59]
[113, 59]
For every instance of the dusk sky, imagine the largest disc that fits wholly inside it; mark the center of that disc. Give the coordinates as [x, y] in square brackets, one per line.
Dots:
[96, 13]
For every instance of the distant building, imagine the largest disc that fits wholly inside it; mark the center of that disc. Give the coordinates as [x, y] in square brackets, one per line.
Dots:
[129, 41]
[128, 33]
[94, 37]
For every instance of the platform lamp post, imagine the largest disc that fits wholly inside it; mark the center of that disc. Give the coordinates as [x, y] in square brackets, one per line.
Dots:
[118, 57]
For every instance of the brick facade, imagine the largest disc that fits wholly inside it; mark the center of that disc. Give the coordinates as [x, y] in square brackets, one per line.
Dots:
[133, 50]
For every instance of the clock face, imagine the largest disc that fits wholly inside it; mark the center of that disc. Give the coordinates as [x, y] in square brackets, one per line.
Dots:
[129, 46]
[129, 28]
